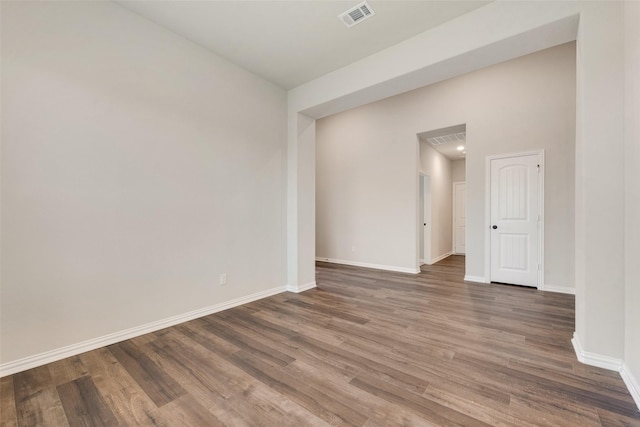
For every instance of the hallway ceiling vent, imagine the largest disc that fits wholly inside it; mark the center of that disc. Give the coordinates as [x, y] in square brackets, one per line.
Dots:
[459, 137]
[357, 14]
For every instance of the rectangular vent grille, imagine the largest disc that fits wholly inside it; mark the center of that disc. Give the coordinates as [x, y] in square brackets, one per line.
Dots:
[357, 14]
[446, 139]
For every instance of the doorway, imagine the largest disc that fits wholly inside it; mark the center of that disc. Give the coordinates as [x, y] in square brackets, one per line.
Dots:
[425, 218]
[515, 229]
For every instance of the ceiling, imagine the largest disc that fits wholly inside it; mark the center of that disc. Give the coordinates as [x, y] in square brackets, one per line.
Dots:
[447, 140]
[293, 42]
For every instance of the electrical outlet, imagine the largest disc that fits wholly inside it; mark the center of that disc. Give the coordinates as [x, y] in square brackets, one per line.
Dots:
[353, 248]
[223, 279]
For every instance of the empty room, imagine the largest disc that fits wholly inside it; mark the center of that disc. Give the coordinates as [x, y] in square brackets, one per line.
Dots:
[379, 213]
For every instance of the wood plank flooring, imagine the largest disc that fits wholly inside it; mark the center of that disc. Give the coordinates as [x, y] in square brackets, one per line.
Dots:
[366, 348]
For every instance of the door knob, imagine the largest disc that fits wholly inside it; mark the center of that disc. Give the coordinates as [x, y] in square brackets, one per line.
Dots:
[494, 226]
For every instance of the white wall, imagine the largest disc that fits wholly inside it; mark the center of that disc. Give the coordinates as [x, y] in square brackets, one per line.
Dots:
[438, 167]
[458, 170]
[365, 190]
[366, 162]
[599, 180]
[136, 167]
[632, 190]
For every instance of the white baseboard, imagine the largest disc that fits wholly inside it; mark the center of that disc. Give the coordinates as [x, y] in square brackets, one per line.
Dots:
[558, 289]
[301, 288]
[478, 279]
[632, 383]
[440, 258]
[610, 363]
[368, 265]
[594, 359]
[82, 347]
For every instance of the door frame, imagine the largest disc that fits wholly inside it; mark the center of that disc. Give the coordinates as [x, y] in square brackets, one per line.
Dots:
[453, 215]
[426, 257]
[487, 213]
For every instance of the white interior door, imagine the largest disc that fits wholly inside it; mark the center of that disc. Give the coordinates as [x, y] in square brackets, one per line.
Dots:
[459, 219]
[515, 215]
[426, 217]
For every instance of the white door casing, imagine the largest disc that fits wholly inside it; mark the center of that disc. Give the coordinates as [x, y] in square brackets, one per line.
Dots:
[426, 219]
[459, 217]
[515, 219]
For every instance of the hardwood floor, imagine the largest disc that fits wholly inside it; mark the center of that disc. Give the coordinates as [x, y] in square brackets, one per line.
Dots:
[367, 348]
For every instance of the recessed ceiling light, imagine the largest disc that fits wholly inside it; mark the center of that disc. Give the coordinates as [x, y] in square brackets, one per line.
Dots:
[460, 147]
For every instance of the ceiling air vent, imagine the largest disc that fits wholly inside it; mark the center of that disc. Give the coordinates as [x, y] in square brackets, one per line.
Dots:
[357, 14]
[445, 139]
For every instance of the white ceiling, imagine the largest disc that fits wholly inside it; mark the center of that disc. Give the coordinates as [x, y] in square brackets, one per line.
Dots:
[293, 42]
[449, 149]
